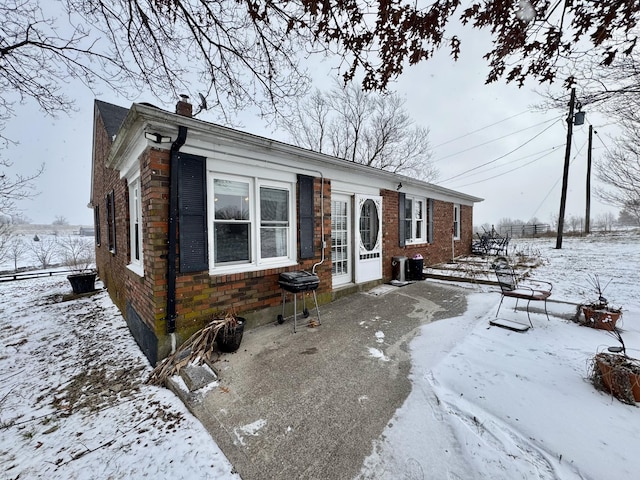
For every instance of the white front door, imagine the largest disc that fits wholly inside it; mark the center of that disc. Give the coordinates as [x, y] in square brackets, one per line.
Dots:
[368, 238]
[341, 240]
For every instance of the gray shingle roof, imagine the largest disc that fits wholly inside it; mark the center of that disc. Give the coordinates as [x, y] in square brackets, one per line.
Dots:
[112, 116]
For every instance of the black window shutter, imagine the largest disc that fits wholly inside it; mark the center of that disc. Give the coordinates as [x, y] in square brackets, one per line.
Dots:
[401, 225]
[96, 223]
[430, 220]
[192, 213]
[305, 214]
[111, 222]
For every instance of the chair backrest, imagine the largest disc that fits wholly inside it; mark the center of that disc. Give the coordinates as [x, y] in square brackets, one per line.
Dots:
[505, 274]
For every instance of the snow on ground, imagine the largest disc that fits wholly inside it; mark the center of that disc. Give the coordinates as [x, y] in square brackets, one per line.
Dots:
[486, 402]
[492, 403]
[73, 403]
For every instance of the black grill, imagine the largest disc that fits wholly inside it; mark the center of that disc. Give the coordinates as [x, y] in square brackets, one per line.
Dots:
[298, 283]
[295, 282]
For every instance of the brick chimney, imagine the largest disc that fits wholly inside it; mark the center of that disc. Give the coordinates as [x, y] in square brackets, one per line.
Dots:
[183, 107]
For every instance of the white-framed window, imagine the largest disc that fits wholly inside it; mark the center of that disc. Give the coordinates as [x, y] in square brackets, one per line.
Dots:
[415, 219]
[274, 222]
[135, 225]
[253, 222]
[456, 221]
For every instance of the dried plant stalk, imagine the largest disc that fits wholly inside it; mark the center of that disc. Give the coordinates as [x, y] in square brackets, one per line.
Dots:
[197, 349]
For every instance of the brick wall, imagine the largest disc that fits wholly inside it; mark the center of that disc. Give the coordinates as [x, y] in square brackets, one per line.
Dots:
[149, 294]
[436, 252]
[110, 266]
[123, 285]
[199, 296]
[463, 247]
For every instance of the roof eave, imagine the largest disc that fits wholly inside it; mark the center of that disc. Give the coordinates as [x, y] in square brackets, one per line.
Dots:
[140, 116]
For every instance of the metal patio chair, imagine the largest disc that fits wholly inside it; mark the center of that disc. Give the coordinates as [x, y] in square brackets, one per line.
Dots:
[529, 290]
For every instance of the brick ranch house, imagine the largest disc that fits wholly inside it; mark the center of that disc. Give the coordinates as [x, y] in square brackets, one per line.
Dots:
[193, 219]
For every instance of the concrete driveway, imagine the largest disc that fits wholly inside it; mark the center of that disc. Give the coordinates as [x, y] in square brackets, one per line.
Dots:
[308, 405]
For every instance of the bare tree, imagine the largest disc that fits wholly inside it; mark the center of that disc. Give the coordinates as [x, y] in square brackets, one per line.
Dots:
[235, 53]
[241, 53]
[16, 249]
[60, 220]
[6, 231]
[619, 168]
[362, 127]
[44, 250]
[629, 217]
[605, 221]
[13, 189]
[576, 223]
[613, 89]
[485, 227]
[19, 218]
[508, 222]
[631, 212]
[77, 252]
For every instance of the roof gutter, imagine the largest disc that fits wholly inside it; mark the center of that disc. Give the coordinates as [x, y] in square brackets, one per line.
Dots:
[321, 160]
[173, 231]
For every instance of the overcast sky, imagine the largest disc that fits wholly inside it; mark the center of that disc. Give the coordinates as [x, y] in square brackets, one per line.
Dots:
[470, 123]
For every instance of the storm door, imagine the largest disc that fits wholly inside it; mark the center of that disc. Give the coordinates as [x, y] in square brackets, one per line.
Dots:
[368, 238]
[341, 240]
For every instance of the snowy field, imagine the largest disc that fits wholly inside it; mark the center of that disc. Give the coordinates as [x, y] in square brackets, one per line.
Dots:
[22, 252]
[492, 403]
[73, 403]
[486, 402]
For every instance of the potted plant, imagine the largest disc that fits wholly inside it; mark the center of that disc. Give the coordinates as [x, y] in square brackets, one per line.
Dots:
[617, 373]
[599, 314]
[77, 254]
[230, 330]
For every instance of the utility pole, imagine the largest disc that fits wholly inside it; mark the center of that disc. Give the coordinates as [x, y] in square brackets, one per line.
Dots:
[587, 225]
[565, 175]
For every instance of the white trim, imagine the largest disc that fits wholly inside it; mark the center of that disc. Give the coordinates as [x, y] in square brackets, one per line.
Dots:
[367, 259]
[457, 227]
[131, 155]
[261, 178]
[422, 237]
[221, 163]
[137, 269]
[136, 265]
[344, 278]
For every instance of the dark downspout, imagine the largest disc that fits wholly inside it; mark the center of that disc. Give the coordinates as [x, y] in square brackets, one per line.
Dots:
[173, 229]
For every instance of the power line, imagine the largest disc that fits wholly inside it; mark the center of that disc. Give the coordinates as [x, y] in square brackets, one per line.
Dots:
[512, 170]
[603, 144]
[542, 154]
[494, 140]
[545, 151]
[480, 129]
[501, 156]
[557, 181]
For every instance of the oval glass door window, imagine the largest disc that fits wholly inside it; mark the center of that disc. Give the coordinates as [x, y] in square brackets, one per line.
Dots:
[369, 225]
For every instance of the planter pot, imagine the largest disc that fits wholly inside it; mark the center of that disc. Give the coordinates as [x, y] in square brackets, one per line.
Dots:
[228, 340]
[620, 376]
[602, 318]
[82, 282]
